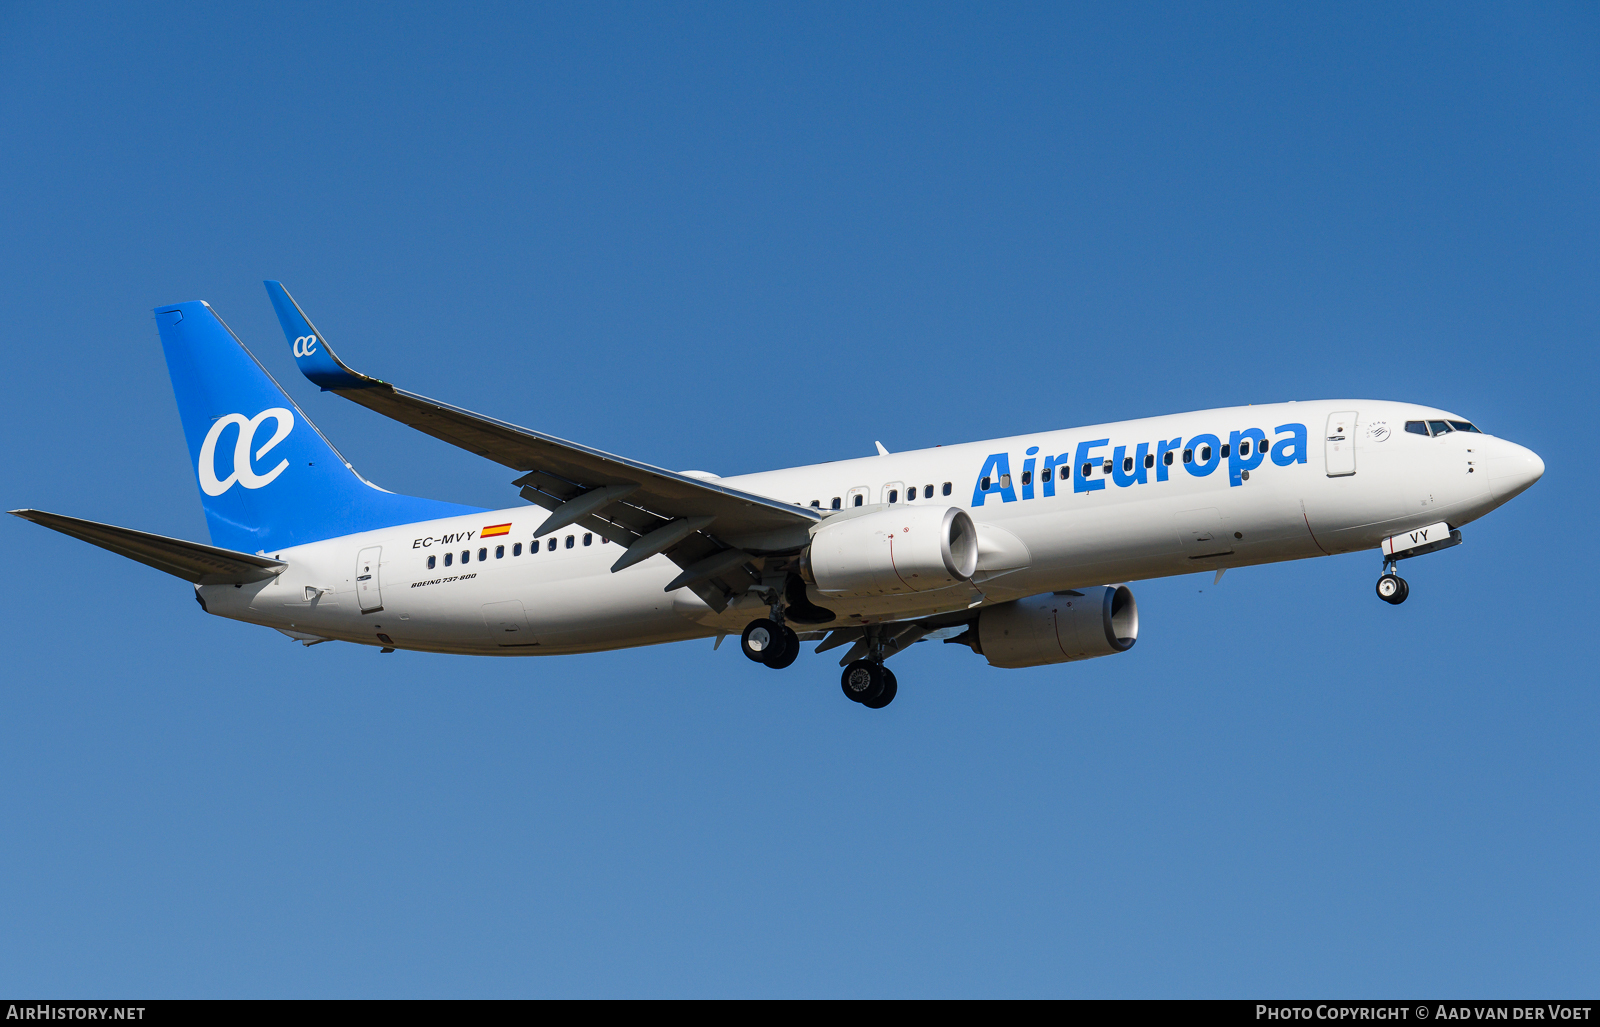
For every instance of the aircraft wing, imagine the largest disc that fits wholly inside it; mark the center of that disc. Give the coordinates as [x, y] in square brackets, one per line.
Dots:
[191, 561]
[649, 510]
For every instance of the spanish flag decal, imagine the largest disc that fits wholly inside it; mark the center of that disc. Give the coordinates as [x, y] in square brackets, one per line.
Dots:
[495, 529]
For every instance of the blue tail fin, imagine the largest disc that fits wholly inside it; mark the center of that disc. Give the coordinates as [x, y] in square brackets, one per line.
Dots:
[268, 479]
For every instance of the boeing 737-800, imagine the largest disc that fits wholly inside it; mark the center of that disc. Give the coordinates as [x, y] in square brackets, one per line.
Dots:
[1018, 548]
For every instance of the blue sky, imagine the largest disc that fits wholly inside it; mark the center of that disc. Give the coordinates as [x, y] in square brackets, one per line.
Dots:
[736, 237]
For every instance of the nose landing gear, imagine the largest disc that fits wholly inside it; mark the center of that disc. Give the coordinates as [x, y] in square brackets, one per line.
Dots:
[1392, 588]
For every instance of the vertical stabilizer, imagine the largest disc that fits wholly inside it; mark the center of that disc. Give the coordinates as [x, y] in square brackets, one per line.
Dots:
[268, 478]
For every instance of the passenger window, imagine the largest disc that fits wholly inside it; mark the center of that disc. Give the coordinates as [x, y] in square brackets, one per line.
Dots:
[1105, 468]
[1225, 447]
[1439, 427]
[1464, 426]
[571, 540]
[1044, 475]
[1188, 456]
[1167, 459]
[449, 558]
[1244, 448]
[894, 495]
[466, 556]
[1266, 446]
[1127, 464]
[837, 502]
[483, 554]
[1005, 481]
[588, 538]
[431, 561]
[1088, 469]
[499, 552]
[1205, 453]
[516, 550]
[984, 485]
[816, 504]
[860, 498]
[947, 488]
[911, 493]
[1027, 477]
[551, 545]
[1417, 427]
[927, 493]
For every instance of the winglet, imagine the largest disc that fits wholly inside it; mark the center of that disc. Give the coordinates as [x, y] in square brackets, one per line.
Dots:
[316, 361]
[881, 450]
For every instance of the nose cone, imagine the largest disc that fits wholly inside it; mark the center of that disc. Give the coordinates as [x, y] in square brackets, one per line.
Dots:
[1512, 470]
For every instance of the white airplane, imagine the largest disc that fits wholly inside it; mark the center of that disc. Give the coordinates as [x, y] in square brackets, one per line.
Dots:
[1004, 546]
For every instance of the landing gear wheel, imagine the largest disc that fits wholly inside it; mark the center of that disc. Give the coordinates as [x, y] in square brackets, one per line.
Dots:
[780, 658]
[1393, 589]
[889, 690]
[762, 639]
[863, 681]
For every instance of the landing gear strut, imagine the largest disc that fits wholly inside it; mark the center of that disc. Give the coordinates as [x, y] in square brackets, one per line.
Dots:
[1392, 588]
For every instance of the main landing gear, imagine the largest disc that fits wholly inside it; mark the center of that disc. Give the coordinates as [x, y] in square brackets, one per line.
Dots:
[770, 642]
[1392, 588]
[869, 683]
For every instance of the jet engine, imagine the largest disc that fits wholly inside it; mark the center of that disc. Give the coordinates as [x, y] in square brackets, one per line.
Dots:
[892, 552]
[1057, 627]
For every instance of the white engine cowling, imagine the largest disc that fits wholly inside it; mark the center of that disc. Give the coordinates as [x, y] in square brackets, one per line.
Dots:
[1058, 627]
[892, 552]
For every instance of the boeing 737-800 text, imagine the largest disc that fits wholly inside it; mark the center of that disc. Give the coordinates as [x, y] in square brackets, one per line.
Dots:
[1005, 546]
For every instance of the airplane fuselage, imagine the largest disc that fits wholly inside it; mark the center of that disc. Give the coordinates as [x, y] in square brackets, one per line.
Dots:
[1054, 511]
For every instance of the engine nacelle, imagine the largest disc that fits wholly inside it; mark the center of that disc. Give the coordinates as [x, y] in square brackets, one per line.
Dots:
[1059, 627]
[892, 552]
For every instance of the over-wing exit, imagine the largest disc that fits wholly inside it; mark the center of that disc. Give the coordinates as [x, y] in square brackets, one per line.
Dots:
[1017, 548]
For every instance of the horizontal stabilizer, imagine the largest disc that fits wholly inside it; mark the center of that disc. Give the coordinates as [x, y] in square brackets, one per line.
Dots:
[191, 561]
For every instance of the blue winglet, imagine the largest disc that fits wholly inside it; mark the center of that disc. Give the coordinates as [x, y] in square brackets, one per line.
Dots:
[316, 361]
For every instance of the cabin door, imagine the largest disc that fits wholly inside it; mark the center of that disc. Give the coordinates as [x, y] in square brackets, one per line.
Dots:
[368, 592]
[1340, 447]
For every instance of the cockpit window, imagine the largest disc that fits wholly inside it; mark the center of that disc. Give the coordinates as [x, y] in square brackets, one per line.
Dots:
[1440, 427]
[1417, 427]
[1464, 426]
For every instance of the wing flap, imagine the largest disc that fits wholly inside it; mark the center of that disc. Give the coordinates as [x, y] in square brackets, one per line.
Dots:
[191, 561]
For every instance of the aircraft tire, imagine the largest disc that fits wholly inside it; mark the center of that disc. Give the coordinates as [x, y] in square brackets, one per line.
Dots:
[761, 639]
[777, 658]
[862, 681]
[890, 687]
[1393, 589]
